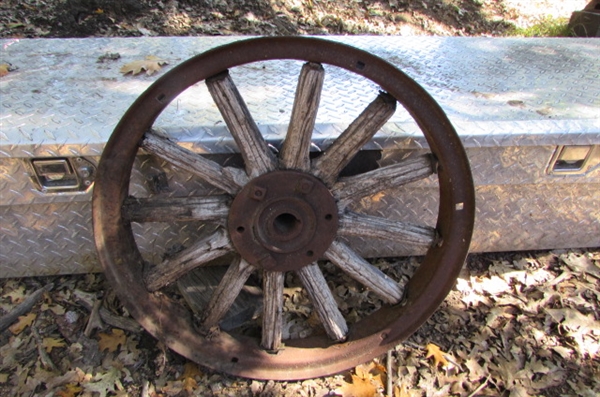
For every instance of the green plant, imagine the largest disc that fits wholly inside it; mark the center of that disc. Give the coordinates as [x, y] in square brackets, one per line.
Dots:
[546, 27]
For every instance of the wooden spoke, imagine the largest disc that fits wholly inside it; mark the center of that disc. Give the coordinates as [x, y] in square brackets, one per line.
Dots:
[365, 273]
[295, 150]
[355, 187]
[323, 302]
[353, 224]
[208, 209]
[273, 310]
[258, 159]
[228, 179]
[199, 254]
[224, 295]
[359, 132]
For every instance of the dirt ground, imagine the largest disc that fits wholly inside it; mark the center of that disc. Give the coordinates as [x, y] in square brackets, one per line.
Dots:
[515, 325]
[87, 18]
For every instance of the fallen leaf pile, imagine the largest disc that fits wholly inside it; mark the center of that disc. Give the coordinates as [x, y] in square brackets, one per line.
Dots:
[151, 64]
[523, 327]
[515, 325]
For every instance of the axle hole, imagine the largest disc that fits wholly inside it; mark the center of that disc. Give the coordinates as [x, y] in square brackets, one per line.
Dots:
[328, 217]
[234, 359]
[309, 253]
[286, 223]
[360, 65]
[240, 229]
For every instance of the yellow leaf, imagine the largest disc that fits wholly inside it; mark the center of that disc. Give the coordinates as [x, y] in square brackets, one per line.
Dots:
[70, 390]
[4, 69]
[3, 378]
[372, 371]
[51, 343]
[404, 392]
[359, 387]
[189, 385]
[437, 354]
[22, 323]
[190, 370]
[112, 341]
[151, 65]
[365, 381]
[16, 295]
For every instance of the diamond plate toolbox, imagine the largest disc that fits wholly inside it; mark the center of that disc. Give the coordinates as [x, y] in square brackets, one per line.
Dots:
[527, 111]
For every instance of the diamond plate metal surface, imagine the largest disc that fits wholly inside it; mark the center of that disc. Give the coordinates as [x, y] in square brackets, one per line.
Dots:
[513, 101]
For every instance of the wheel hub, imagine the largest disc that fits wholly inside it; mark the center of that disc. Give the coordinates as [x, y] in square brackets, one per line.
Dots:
[283, 220]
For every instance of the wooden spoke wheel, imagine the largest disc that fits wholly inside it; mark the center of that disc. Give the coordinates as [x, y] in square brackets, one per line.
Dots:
[282, 213]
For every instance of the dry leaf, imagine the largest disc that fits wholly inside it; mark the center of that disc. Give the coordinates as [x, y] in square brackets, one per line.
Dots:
[172, 388]
[22, 323]
[104, 383]
[151, 65]
[74, 376]
[190, 370]
[3, 378]
[4, 69]
[189, 384]
[70, 390]
[404, 392]
[437, 354]
[359, 387]
[581, 264]
[17, 295]
[50, 343]
[365, 381]
[373, 371]
[112, 341]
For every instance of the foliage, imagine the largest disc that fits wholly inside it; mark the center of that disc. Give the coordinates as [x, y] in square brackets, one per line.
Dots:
[546, 27]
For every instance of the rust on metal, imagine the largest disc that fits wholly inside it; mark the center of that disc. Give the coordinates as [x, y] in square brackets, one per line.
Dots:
[283, 220]
[301, 358]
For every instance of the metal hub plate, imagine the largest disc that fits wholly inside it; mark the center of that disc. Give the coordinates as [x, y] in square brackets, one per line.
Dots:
[283, 220]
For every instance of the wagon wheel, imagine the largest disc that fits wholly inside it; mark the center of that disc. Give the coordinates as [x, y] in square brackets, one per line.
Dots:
[283, 214]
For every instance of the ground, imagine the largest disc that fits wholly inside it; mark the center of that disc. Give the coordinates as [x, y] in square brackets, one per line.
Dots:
[86, 18]
[516, 324]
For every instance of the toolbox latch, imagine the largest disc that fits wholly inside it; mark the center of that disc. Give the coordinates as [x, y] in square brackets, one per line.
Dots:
[573, 159]
[63, 174]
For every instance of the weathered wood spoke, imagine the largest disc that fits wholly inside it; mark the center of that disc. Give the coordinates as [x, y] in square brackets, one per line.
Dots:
[224, 295]
[363, 272]
[323, 302]
[295, 150]
[359, 132]
[352, 188]
[199, 254]
[273, 310]
[353, 224]
[207, 208]
[228, 179]
[258, 159]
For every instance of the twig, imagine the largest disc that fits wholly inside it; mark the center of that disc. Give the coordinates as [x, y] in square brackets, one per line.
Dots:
[145, 387]
[390, 375]
[88, 301]
[44, 358]
[24, 307]
[480, 388]
[124, 323]
[94, 321]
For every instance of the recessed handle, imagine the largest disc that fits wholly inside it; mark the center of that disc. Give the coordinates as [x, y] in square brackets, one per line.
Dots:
[573, 159]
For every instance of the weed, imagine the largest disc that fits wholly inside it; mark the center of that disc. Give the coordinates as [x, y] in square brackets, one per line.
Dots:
[546, 27]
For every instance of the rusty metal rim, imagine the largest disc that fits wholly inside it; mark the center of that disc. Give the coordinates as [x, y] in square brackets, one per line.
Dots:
[309, 357]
